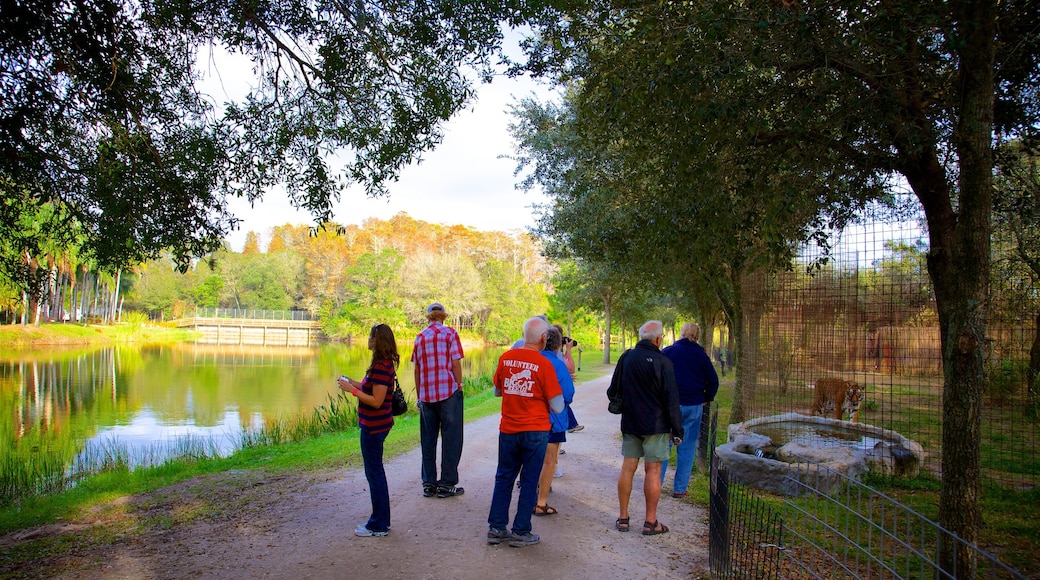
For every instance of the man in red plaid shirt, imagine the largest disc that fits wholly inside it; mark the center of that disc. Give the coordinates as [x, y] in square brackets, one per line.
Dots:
[437, 357]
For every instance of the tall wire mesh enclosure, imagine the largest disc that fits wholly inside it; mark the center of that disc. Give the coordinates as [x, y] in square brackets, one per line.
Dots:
[867, 314]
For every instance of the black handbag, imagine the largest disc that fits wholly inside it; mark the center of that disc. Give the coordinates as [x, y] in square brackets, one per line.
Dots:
[398, 406]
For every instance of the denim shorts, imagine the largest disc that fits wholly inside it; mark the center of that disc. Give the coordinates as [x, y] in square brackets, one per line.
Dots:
[652, 448]
[560, 437]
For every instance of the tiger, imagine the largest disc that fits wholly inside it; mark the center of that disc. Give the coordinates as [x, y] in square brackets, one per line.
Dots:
[837, 397]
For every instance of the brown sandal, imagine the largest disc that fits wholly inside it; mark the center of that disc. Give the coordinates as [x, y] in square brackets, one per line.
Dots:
[654, 528]
[545, 510]
[621, 524]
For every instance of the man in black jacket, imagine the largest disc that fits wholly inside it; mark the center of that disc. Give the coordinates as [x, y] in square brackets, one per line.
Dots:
[645, 382]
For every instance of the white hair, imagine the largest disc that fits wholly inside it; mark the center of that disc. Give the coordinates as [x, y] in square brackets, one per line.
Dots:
[651, 329]
[534, 328]
[691, 330]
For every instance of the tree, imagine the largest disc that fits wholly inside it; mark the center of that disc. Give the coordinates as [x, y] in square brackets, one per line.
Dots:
[252, 245]
[847, 95]
[632, 194]
[102, 115]
[156, 288]
[509, 298]
[374, 279]
[451, 280]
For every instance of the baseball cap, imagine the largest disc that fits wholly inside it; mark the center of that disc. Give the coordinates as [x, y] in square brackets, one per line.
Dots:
[434, 307]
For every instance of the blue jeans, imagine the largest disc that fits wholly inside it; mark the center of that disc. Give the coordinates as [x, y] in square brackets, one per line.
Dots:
[684, 453]
[518, 454]
[444, 419]
[372, 454]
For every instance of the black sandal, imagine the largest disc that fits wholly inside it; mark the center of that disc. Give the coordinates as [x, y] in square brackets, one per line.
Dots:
[621, 525]
[545, 510]
[652, 529]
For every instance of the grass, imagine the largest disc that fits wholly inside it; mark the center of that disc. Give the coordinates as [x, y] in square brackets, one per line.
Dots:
[25, 337]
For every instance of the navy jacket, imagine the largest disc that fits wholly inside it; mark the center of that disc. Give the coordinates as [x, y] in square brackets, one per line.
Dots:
[650, 399]
[698, 382]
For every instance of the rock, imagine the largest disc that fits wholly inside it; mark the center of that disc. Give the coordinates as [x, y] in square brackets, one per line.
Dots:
[893, 459]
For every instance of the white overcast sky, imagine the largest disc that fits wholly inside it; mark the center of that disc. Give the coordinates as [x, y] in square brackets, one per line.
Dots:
[462, 181]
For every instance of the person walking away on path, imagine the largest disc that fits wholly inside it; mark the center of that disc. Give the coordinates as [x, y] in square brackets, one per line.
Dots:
[437, 357]
[558, 423]
[645, 382]
[374, 393]
[526, 381]
[698, 383]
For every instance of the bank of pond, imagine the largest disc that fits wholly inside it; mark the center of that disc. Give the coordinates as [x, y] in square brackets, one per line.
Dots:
[71, 412]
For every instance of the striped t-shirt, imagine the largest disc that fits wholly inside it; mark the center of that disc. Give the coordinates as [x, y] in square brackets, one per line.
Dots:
[381, 419]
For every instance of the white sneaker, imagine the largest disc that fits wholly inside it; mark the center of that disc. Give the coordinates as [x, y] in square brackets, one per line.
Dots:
[559, 471]
[364, 532]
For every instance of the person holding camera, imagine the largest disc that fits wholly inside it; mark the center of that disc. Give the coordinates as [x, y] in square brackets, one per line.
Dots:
[557, 421]
[375, 419]
[564, 354]
[644, 380]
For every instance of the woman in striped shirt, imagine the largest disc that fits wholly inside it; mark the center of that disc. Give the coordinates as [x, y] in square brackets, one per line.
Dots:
[374, 393]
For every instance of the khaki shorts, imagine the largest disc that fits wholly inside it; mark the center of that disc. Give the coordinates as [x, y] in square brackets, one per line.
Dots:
[652, 448]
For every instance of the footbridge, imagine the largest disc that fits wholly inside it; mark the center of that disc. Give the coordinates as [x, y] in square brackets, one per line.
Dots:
[253, 327]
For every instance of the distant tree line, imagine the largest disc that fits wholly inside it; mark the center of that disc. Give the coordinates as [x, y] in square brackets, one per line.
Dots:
[384, 271]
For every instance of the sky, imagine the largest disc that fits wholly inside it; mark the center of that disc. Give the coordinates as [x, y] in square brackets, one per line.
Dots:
[463, 180]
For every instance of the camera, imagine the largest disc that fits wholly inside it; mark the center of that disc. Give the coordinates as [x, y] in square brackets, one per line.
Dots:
[568, 340]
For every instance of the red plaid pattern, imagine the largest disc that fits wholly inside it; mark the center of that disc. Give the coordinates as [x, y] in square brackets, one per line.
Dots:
[435, 349]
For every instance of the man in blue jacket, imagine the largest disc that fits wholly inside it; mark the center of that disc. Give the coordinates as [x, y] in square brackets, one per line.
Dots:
[650, 418]
[698, 383]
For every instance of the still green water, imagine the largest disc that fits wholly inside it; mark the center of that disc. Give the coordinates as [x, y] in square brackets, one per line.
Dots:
[141, 399]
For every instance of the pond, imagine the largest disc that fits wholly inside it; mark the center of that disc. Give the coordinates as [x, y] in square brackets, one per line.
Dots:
[143, 399]
[817, 435]
[788, 453]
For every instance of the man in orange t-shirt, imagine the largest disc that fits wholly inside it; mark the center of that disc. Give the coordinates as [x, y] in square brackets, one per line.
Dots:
[527, 383]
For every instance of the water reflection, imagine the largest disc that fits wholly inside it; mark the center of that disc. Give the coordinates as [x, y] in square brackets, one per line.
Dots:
[141, 399]
[815, 435]
[146, 435]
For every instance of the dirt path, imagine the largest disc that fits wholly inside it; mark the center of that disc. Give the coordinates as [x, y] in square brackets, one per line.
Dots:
[304, 528]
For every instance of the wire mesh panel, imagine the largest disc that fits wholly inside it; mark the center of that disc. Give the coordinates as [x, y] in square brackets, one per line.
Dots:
[858, 532]
[865, 313]
[848, 531]
[744, 532]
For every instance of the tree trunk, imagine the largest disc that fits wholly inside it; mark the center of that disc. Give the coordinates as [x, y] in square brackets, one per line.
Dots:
[73, 296]
[736, 315]
[958, 262]
[53, 288]
[113, 313]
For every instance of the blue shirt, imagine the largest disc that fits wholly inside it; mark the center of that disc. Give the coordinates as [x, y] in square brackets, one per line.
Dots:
[560, 421]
